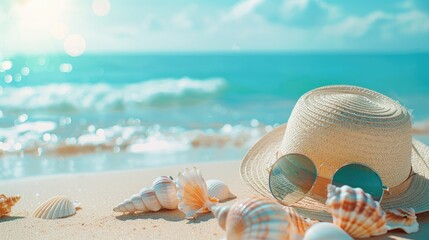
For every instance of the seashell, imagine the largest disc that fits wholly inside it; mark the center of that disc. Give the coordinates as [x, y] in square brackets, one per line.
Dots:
[162, 195]
[192, 193]
[255, 218]
[325, 230]
[300, 223]
[56, 207]
[219, 190]
[355, 212]
[403, 218]
[6, 204]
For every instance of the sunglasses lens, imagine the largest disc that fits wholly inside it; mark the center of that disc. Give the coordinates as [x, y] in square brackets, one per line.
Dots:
[360, 176]
[292, 177]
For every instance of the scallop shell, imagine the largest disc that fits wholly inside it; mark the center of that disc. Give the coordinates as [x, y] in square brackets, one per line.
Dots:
[162, 195]
[324, 231]
[218, 189]
[255, 218]
[355, 212]
[192, 193]
[6, 204]
[300, 223]
[56, 207]
[403, 218]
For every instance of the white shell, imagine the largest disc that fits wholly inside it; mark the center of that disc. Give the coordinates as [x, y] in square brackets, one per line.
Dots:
[161, 195]
[192, 193]
[402, 218]
[218, 189]
[324, 231]
[56, 207]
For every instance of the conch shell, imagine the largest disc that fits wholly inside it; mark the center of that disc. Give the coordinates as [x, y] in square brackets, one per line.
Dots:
[256, 218]
[162, 195]
[6, 204]
[355, 212]
[218, 189]
[56, 207]
[403, 218]
[192, 193]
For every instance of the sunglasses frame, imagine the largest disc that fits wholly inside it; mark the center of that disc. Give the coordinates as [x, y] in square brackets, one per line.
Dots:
[270, 169]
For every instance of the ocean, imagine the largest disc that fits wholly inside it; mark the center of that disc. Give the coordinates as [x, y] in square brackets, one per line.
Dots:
[95, 113]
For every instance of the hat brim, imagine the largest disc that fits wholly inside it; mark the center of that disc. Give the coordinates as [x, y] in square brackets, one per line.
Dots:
[262, 154]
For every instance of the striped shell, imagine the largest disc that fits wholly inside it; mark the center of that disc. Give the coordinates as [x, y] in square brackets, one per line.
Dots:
[403, 218]
[6, 204]
[301, 224]
[192, 193]
[56, 207]
[162, 195]
[255, 218]
[219, 190]
[355, 212]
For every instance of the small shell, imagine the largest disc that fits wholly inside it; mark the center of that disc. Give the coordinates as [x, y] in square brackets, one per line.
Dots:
[300, 223]
[355, 212]
[255, 218]
[219, 190]
[56, 207]
[192, 193]
[6, 204]
[324, 231]
[161, 195]
[403, 218]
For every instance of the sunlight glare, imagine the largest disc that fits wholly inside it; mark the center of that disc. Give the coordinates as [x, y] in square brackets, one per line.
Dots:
[101, 7]
[74, 45]
[59, 30]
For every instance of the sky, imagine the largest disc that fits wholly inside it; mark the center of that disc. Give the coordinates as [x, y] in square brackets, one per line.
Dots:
[86, 26]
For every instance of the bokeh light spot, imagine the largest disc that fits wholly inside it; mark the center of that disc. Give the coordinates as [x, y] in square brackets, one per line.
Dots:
[25, 71]
[74, 45]
[8, 78]
[101, 7]
[66, 67]
[6, 65]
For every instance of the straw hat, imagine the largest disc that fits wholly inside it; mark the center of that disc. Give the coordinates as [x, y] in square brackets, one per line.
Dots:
[336, 125]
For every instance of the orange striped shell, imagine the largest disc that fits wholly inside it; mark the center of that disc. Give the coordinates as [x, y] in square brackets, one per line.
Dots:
[355, 212]
[301, 224]
[6, 204]
[403, 218]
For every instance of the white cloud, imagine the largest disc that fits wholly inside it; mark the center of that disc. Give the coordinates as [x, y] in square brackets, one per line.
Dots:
[406, 4]
[413, 22]
[355, 26]
[291, 7]
[241, 9]
[333, 10]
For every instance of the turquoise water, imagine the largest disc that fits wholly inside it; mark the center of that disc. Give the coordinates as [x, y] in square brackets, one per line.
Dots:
[57, 111]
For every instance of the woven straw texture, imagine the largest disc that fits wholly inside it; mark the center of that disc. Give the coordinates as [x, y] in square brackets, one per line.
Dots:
[337, 125]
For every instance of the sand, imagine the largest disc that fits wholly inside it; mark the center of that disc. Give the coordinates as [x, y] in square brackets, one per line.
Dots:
[100, 192]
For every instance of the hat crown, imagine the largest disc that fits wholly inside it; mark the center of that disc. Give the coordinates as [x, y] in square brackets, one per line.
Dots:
[337, 125]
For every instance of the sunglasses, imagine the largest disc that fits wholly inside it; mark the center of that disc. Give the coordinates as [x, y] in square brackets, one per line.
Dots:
[293, 176]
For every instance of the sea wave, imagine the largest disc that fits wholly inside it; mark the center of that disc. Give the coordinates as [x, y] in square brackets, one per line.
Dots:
[68, 97]
[46, 137]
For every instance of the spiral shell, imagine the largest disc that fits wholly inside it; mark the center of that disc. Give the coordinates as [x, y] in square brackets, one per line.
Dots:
[162, 195]
[255, 218]
[403, 218]
[218, 189]
[6, 204]
[56, 207]
[355, 212]
[192, 193]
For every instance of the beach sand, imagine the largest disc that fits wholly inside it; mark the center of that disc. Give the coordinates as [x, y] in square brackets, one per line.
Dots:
[100, 192]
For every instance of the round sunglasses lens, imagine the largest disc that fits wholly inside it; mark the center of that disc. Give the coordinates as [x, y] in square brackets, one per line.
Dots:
[292, 177]
[359, 176]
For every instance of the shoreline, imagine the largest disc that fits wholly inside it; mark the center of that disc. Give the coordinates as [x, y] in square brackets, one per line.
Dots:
[99, 192]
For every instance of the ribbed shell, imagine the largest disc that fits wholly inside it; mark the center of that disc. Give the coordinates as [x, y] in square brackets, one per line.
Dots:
[192, 193]
[301, 224]
[218, 189]
[56, 207]
[6, 203]
[403, 218]
[255, 218]
[355, 212]
[162, 195]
